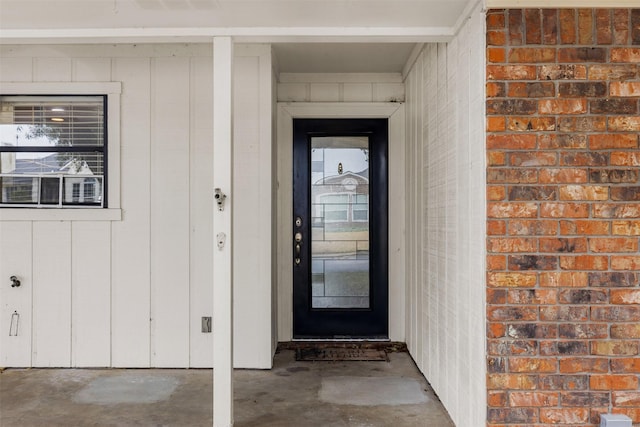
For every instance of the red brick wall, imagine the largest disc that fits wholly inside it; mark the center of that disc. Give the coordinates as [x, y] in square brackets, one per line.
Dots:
[563, 285]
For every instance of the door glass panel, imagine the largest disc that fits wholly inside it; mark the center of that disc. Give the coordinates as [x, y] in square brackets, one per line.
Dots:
[340, 222]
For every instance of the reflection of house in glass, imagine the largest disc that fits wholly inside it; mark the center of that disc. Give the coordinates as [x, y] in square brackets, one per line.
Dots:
[54, 179]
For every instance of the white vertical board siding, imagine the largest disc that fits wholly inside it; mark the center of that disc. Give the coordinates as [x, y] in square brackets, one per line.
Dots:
[15, 260]
[131, 241]
[91, 294]
[52, 294]
[169, 212]
[446, 189]
[201, 211]
[252, 207]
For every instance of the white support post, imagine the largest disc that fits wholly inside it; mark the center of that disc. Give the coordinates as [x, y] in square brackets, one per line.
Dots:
[222, 228]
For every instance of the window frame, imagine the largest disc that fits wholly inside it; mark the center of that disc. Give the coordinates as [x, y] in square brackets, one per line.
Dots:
[112, 92]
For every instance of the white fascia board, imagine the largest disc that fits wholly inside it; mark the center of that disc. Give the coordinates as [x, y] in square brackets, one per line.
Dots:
[240, 34]
[558, 4]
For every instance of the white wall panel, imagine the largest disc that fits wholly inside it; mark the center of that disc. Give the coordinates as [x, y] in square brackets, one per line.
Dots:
[52, 70]
[169, 212]
[91, 294]
[91, 69]
[201, 211]
[52, 294]
[446, 187]
[16, 69]
[15, 260]
[131, 282]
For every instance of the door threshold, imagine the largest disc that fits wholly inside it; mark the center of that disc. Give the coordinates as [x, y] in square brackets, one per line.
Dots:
[381, 344]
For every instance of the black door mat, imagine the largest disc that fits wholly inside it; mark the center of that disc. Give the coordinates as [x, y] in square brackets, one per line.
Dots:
[340, 354]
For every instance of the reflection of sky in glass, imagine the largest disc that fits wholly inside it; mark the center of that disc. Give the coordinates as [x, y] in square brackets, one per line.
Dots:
[353, 160]
[16, 135]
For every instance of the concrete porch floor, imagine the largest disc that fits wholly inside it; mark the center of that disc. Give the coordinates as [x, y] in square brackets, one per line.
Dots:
[291, 394]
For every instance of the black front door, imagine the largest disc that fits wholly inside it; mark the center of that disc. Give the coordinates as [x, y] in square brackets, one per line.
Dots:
[340, 261]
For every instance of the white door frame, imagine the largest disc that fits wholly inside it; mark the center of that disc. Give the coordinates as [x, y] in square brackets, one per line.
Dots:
[287, 111]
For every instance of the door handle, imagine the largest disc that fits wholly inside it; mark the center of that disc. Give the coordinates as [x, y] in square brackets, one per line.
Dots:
[298, 247]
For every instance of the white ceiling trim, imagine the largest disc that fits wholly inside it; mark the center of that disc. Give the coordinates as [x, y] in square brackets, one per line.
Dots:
[240, 34]
[557, 4]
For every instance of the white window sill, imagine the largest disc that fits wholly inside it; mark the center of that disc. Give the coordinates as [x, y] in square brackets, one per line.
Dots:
[48, 214]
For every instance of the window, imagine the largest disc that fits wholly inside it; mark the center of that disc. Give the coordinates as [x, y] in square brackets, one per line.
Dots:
[53, 151]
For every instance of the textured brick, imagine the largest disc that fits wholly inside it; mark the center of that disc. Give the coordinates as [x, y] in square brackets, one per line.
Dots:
[496, 158]
[516, 36]
[614, 348]
[626, 331]
[531, 364]
[615, 141]
[564, 210]
[564, 382]
[582, 89]
[614, 279]
[564, 141]
[511, 313]
[617, 210]
[604, 33]
[562, 72]
[525, 227]
[583, 192]
[624, 89]
[511, 244]
[567, 26]
[564, 175]
[495, 20]
[512, 106]
[635, 30]
[625, 158]
[585, 227]
[582, 54]
[625, 228]
[513, 176]
[564, 279]
[581, 158]
[497, 398]
[496, 124]
[583, 331]
[616, 314]
[581, 124]
[550, 26]
[533, 158]
[511, 142]
[621, 26]
[625, 296]
[564, 416]
[625, 54]
[584, 399]
[496, 38]
[533, 22]
[626, 398]
[613, 382]
[532, 193]
[512, 210]
[532, 262]
[563, 106]
[625, 262]
[585, 26]
[510, 280]
[613, 106]
[532, 55]
[496, 193]
[563, 245]
[532, 296]
[613, 244]
[496, 89]
[511, 381]
[583, 296]
[531, 124]
[496, 228]
[533, 398]
[612, 72]
[531, 330]
[512, 347]
[624, 123]
[625, 193]
[531, 90]
[584, 262]
[565, 314]
[512, 415]
[511, 72]
[622, 365]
